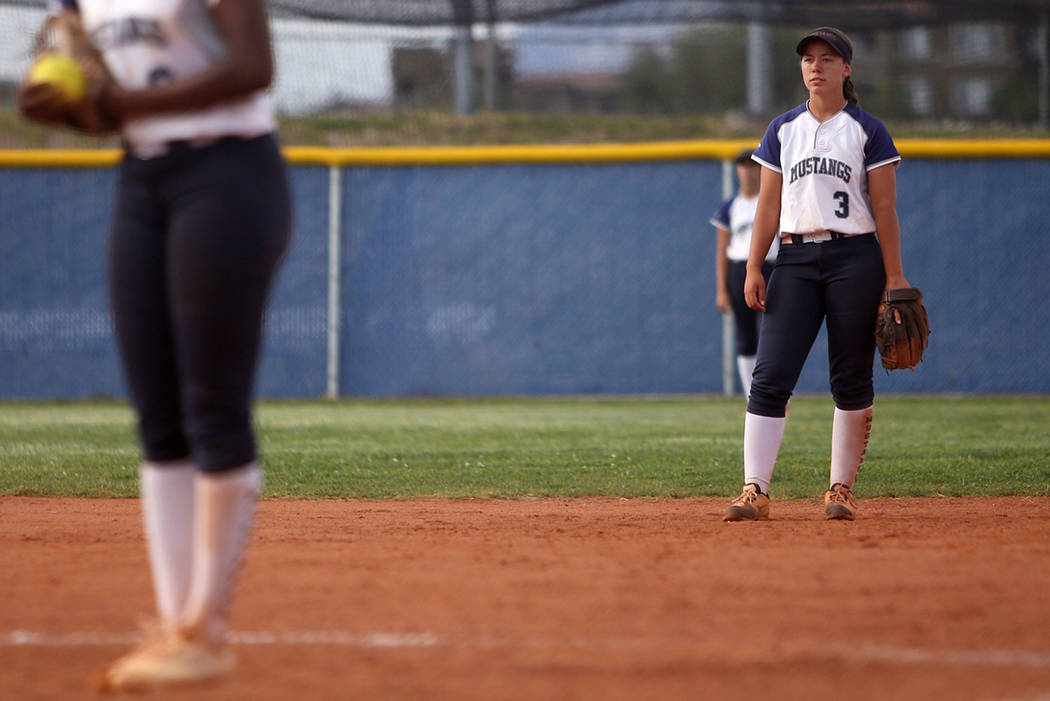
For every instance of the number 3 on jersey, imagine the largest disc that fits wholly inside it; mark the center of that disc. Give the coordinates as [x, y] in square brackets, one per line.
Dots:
[843, 211]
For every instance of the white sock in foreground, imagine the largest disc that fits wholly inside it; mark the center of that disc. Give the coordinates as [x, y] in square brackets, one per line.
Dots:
[745, 365]
[849, 439]
[225, 509]
[167, 511]
[762, 437]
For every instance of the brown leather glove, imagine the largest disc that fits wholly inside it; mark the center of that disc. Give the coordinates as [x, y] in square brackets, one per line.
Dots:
[902, 328]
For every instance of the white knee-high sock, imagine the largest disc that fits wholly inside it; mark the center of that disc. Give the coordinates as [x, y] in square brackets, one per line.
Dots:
[167, 511]
[762, 438]
[745, 365]
[225, 509]
[849, 439]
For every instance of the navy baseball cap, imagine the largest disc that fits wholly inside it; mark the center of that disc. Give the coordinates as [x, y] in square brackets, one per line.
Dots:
[835, 38]
[744, 157]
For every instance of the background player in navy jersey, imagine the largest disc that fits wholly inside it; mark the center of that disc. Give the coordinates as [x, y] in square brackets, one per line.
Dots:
[733, 222]
[201, 219]
[828, 185]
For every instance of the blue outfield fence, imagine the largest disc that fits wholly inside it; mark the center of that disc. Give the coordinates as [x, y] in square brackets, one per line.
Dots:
[508, 278]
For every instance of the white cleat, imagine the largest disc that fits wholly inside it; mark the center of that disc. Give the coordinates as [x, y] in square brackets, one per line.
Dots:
[169, 658]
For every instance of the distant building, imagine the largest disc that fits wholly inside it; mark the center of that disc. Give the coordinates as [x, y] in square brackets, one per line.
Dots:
[952, 71]
[570, 92]
[423, 75]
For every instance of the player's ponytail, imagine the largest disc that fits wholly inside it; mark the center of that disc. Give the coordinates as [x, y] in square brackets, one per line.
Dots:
[849, 92]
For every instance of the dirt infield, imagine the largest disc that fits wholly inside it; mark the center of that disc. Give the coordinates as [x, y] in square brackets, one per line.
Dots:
[562, 599]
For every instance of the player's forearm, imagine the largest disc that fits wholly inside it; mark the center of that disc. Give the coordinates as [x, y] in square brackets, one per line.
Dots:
[889, 231]
[721, 274]
[217, 84]
[721, 260]
[247, 67]
[763, 233]
[882, 190]
[767, 218]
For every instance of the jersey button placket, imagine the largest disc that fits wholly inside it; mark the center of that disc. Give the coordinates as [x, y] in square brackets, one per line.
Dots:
[820, 142]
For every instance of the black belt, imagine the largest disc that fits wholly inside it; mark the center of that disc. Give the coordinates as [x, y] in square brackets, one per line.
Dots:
[169, 148]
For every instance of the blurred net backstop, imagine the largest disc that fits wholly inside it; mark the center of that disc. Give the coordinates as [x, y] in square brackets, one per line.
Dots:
[959, 60]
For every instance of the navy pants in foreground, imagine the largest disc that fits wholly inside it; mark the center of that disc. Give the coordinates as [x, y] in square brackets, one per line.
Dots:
[197, 235]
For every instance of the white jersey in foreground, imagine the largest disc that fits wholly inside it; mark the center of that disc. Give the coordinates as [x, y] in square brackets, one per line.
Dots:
[149, 42]
[825, 168]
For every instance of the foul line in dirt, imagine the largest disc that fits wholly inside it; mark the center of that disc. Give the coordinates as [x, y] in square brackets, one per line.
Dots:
[378, 640]
[862, 653]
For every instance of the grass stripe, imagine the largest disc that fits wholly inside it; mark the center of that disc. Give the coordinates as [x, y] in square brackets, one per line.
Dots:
[678, 446]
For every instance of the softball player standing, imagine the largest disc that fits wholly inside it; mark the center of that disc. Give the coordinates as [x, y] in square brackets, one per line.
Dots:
[828, 185]
[201, 219]
[733, 223]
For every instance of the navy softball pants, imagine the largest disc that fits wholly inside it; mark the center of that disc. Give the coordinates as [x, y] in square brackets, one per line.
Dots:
[196, 238]
[839, 280]
[746, 318]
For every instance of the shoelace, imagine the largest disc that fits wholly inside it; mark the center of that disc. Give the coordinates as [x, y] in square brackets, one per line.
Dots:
[749, 496]
[838, 496]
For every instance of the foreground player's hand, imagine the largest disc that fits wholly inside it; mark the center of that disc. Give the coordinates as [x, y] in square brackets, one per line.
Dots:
[48, 105]
[44, 103]
[755, 290]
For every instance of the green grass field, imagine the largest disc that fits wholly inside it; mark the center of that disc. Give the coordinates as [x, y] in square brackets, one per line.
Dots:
[514, 448]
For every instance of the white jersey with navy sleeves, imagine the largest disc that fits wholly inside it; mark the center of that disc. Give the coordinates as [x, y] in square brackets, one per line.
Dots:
[825, 168]
[148, 42]
[737, 216]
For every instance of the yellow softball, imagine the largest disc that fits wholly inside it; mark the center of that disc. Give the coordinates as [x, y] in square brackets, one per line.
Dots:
[61, 71]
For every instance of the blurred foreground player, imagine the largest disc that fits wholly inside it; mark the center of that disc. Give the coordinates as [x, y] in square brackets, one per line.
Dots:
[201, 220]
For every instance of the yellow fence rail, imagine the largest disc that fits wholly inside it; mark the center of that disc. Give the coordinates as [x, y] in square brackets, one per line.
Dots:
[541, 153]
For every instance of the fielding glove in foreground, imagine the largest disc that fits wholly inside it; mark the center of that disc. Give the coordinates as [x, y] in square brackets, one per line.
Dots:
[902, 328]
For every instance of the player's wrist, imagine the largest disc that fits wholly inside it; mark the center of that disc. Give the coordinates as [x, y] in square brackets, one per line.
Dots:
[896, 282]
[107, 101]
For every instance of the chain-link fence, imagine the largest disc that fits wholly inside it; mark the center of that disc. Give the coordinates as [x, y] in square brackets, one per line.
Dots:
[527, 278]
[966, 61]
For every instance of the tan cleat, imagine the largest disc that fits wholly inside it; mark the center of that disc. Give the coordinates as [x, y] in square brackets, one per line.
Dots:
[168, 658]
[751, 505]
[839, 503]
